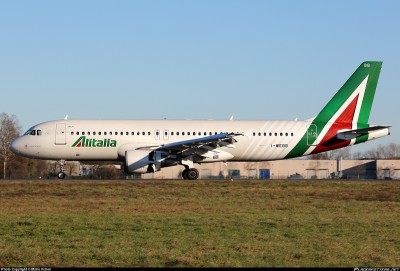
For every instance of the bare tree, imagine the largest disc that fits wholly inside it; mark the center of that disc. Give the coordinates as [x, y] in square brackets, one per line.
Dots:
[9, 130]
[342, 153]
[318, 156]
[389, 151]
[392, 151]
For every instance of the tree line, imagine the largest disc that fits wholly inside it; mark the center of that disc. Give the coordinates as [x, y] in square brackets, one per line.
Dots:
[382, 151]
[14, 166]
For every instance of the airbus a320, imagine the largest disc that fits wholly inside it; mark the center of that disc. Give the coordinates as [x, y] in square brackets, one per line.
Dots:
[146, 146]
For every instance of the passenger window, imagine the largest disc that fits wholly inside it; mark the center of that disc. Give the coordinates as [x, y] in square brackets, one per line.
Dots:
[72, 133]
[121, 133]
[291, 134]
[94, 133]
[143, 133]
[132, 133]
[127, 133]
[276, 134]
[116, 133]
[177, 133]
[77, 133]
[33, 132]
[254, 134]
[270, 134]
[183, 133]
[39, 132]
[149, 133]
[281, 134]
[172, 133]
[88, 133]
[286, 134]
[259, 134]
[105, 133]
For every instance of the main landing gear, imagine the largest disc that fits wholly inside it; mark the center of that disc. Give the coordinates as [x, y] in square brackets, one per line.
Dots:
[190, 174]
[61, 174]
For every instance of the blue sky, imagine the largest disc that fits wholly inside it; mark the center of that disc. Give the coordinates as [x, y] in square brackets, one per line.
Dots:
[193, 59]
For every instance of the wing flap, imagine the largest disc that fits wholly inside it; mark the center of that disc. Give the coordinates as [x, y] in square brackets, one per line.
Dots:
[207, 142]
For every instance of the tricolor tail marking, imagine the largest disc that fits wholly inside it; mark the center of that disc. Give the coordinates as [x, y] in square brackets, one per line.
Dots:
[344, 121]
[350, 108]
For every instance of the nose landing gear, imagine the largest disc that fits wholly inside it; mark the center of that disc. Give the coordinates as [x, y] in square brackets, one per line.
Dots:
[61, 174]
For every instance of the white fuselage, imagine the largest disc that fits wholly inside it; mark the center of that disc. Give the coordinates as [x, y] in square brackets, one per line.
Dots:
[109, 139]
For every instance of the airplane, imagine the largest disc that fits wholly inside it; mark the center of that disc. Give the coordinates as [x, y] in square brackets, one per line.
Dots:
[147, 146]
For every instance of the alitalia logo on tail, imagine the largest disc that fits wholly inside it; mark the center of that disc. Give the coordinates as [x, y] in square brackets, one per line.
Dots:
[92, 142]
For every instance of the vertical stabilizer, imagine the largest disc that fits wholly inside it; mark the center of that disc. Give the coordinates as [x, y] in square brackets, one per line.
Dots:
[349, 109]
[357, 93]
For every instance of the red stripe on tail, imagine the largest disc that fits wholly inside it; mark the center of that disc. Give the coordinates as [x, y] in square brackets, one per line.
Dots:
[344, 121]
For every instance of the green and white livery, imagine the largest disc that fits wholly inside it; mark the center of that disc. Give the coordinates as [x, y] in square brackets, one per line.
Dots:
[149, 145]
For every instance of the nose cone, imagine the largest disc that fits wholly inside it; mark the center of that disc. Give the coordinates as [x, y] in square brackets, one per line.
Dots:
[15, 146]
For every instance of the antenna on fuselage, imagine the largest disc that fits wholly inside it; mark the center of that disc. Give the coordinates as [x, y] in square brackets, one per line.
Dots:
[231, 118]
[66, 117]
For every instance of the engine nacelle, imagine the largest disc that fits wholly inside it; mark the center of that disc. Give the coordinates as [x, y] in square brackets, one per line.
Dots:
[137, 161]
[143, 161]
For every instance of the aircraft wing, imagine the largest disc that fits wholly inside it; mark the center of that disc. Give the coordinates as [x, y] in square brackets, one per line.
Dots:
[351, 134]
[206, 143]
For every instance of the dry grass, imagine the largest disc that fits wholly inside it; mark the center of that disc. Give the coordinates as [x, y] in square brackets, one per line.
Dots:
[199, 223]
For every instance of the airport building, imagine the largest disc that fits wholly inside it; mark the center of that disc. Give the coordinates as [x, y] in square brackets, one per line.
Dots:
[292, 169]
[281, 169]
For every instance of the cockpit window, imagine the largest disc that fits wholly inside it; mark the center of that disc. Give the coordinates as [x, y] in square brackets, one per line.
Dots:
[33, 132]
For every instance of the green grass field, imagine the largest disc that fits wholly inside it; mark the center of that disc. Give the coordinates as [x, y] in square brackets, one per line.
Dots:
[200, 223]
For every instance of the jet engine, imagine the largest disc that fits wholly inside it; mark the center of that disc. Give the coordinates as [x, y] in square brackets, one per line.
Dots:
[146, 161]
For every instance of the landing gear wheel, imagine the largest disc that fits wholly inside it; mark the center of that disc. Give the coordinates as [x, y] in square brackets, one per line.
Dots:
[192, 173]
[61, 175]
[184, 174]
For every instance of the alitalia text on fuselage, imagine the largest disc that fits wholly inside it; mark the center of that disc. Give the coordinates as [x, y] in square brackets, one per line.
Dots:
[83, 141]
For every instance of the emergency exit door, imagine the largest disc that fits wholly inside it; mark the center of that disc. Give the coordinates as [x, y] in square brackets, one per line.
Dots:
[60, 134]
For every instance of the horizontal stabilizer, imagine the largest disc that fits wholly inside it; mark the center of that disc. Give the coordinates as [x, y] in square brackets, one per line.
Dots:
[351, 134]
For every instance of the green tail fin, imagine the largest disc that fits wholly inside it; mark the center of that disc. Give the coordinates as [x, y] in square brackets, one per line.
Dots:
[349, 108]
[363, 81]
